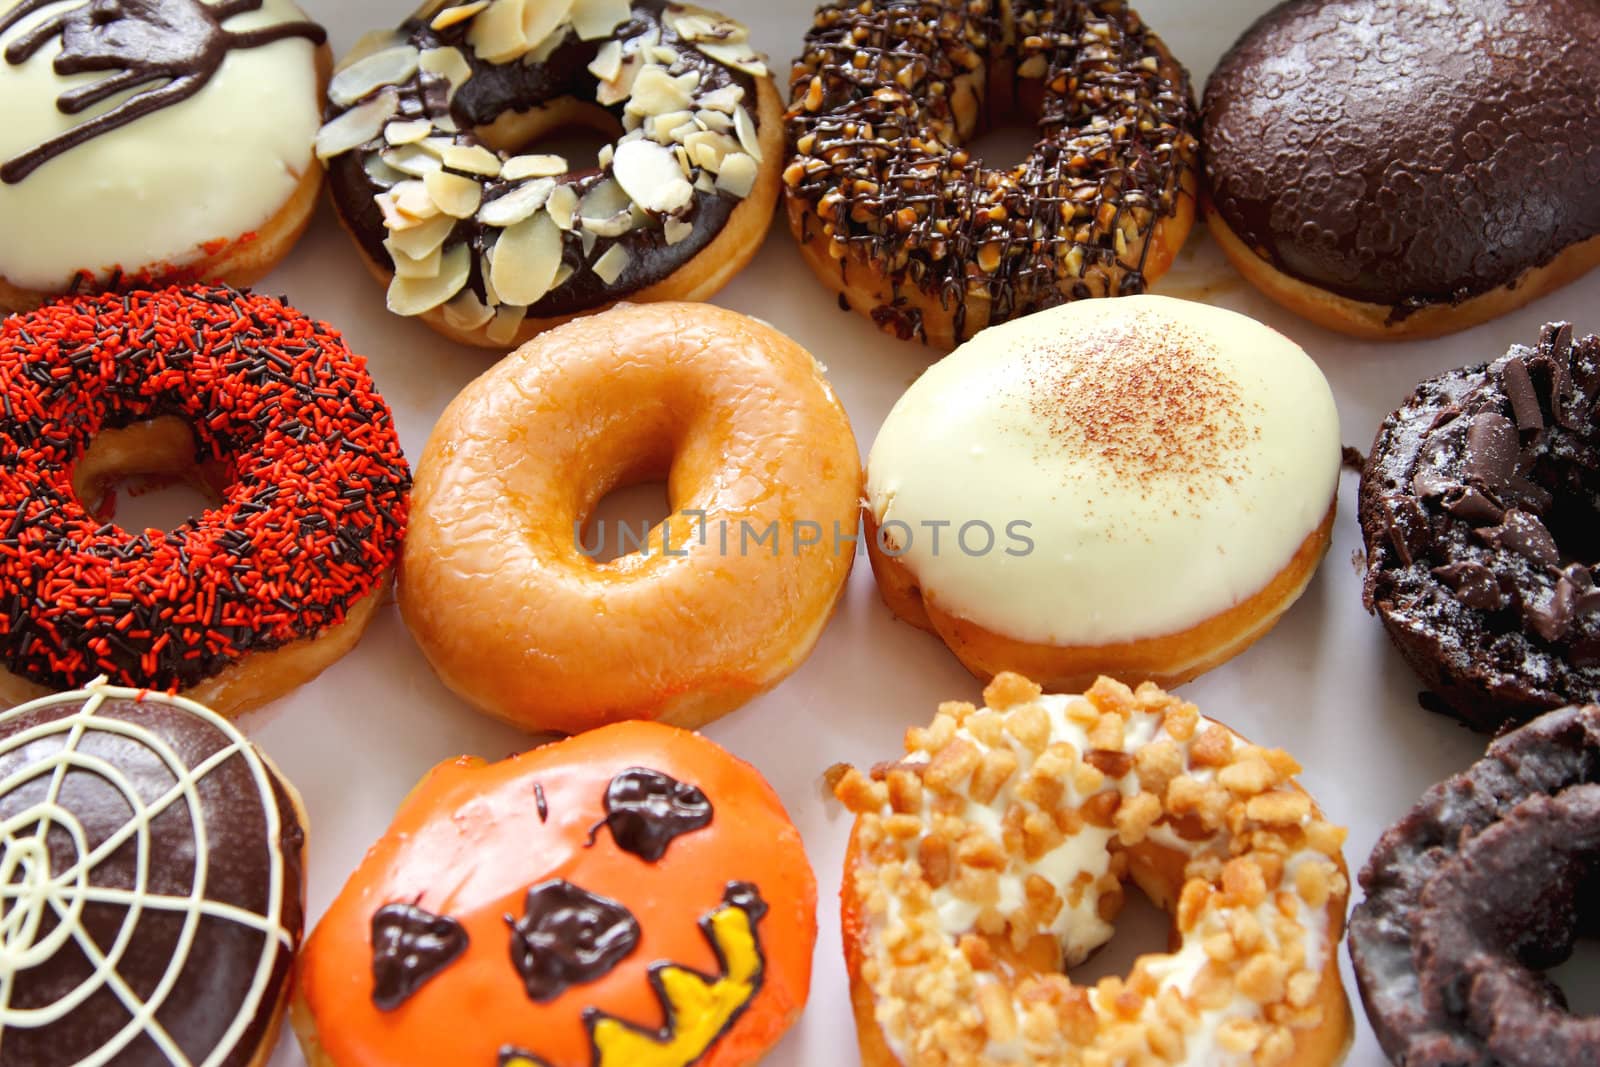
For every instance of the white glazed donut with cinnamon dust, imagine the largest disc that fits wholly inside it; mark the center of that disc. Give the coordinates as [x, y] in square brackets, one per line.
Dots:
[993, 856]
[1137, 487]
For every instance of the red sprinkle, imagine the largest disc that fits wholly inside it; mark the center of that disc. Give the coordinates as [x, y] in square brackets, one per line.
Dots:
[314, 485]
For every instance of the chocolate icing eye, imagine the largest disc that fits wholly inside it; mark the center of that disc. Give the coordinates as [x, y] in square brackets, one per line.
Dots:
[648, 810]
[409, 946]
[568, 936]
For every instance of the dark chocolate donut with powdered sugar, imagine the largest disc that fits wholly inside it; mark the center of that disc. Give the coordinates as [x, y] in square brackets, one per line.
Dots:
[1477, 506]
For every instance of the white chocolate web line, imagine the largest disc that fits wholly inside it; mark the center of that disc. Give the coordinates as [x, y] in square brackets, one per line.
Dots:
[28, 887]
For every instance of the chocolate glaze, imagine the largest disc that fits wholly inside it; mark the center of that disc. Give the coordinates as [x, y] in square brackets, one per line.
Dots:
[409, 946]
[494, 89]
[179, 43]
[1478, 505]
[647, 810]
[935, 217]
[1409, 152]
[568, 936]
[215, 976]
[1474, 894]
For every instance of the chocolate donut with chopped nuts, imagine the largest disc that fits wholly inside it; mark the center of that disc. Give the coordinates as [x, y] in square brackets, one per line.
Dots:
[908, 227]
[1477, 892]
[1477, 505]
[432, 149]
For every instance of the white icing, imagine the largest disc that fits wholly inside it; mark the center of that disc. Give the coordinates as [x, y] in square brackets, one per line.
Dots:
[1122, 550]
[29, 888]
[214, 167]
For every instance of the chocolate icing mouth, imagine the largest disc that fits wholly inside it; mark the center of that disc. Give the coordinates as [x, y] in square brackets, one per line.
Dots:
[1478, 506]
[1478, 891]
[1409, 154]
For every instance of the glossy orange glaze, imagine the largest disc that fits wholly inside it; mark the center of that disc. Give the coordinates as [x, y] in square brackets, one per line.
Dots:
[469, 842]
[745, 430]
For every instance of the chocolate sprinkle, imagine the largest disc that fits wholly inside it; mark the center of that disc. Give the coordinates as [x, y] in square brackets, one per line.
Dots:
[1477, 892]
[568, 936]
[409, 946]
[1478, 506]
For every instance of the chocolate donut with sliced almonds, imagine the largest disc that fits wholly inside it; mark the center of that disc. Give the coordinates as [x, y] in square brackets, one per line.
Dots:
[432, 149]
[1477, 506]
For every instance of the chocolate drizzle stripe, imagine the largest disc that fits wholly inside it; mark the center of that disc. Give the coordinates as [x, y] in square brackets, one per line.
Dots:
[165, 50]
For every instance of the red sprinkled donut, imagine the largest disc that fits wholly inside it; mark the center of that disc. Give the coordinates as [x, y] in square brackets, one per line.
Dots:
[290, 432]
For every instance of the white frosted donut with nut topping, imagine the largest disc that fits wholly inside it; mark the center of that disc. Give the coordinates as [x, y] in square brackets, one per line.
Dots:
[993, 856]
[1136, 487]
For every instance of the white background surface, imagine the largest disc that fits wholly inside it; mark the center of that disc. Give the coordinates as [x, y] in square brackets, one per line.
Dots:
[1325, 684]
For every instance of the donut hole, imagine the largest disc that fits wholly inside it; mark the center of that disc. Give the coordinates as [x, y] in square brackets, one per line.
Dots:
[622, 522]
[144, 476]
[1142, 929]
[1002, 146]
[576, 130]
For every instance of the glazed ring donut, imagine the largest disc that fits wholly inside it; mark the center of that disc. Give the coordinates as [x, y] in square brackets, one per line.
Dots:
[1416, 188]
[153, 866]
[154, 141]
[1477, 892]
[634, 897]
[278, 420]
[491, 241]
[993, 855]
[899, 220]
[727, 595]
[1476, 515]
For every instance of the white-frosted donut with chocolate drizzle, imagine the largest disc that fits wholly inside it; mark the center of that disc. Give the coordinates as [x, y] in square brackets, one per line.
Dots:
[435, 167]
[994, 855]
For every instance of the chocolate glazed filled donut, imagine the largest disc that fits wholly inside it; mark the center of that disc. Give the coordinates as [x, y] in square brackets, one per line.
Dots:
[1478, 509]
[1477, 892]
[489, 246]
[907, 227]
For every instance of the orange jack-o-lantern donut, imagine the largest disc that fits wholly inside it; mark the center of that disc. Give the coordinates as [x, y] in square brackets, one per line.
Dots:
[632, 897]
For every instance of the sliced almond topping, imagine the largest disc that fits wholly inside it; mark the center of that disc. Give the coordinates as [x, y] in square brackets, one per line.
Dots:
[380, 172]
[603, 200]
[520, 203]
[745, 127]
[368, 44]
[546, 48]
[415, 296]
[604, 156]
[707, 149]
[706, 182]
[650, 175]
[607, 63]
[421, 240]
[507, 321]
[740, 57]
[496, 34]
[517, 168]
[664, 54]
[457, 196]
[563, 206]
[724, 99]
[428, 8]
[660, 128]
[713, 120]
[738, 174]
[467, 312]
[587, 239]
[594, 19]
[525, 260]
[656, 92]
[399, 133]
[357, 126]
[450, 16]
[677, 230]
[406, 205]
[412, 159]
[388, 67]
[697, 24]
[406, 267]
[473, 159]
[611, 264]
[542, 19]
[448, 63]
[565, 272]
